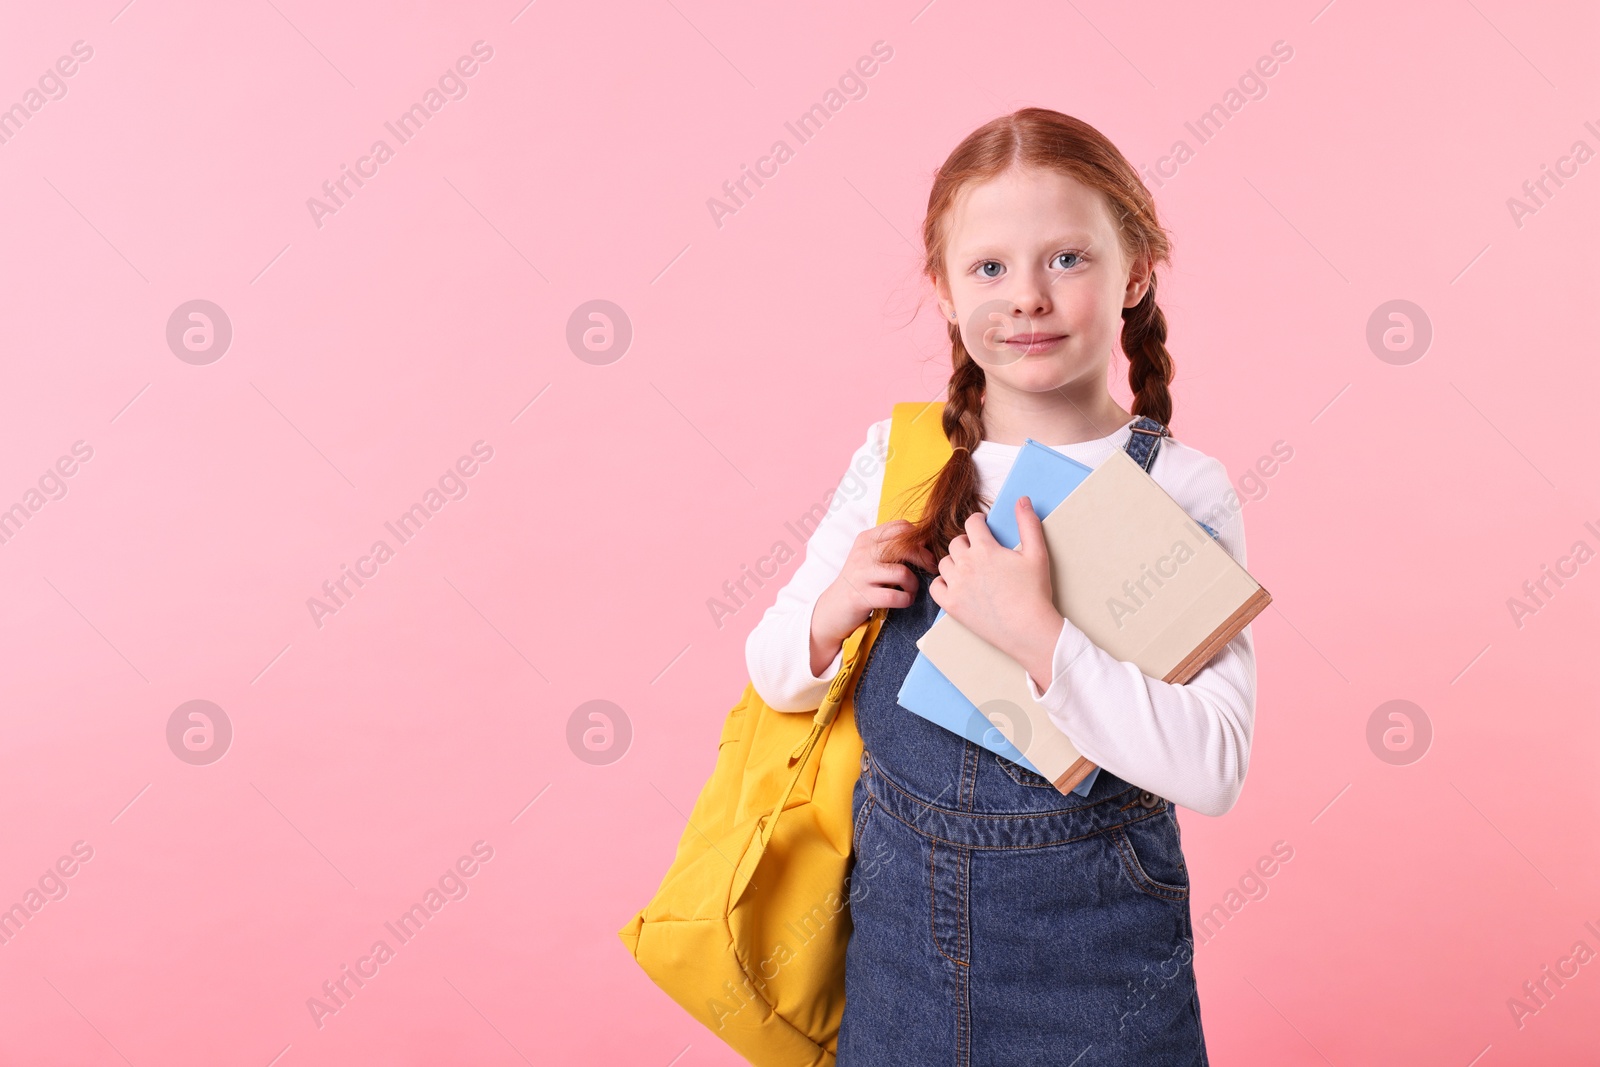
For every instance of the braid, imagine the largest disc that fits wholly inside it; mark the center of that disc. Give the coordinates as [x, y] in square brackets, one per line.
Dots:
[963, 411]
[954, 490]
[1144, 339]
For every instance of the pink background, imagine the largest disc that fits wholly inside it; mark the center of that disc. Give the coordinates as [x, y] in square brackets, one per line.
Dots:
[371, 352]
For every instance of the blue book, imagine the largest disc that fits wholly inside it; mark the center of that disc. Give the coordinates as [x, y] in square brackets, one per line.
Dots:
[1046, 476]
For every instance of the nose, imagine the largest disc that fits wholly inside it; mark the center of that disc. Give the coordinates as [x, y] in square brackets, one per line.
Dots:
[1031, 297]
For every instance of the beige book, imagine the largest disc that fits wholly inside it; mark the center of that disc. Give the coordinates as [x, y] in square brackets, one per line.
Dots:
[1138, 576]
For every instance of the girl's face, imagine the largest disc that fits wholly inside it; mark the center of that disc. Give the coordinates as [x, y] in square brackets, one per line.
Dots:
[1037, 280]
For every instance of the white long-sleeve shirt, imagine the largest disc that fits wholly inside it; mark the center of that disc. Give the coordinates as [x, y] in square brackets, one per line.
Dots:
[1189, 743]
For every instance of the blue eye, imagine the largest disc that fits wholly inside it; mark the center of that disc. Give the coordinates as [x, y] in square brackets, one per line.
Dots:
[983, 268]
[1061, 255]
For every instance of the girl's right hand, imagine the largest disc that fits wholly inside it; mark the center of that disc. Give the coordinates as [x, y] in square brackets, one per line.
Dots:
[865, 583]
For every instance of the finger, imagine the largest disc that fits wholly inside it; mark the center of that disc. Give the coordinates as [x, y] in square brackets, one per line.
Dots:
[884, 596]
[893, 574]
[936, 590]
[978, 529]
[959, 543]
[887, 596]
[1029, 528]
[881, 534]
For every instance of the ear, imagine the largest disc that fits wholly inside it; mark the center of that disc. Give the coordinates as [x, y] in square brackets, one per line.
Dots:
[1138, 282]
[947, 304]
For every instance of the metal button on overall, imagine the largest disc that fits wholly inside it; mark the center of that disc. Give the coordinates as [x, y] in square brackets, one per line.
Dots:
[1149, 799]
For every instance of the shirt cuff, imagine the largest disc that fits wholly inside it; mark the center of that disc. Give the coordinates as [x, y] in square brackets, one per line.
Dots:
[1070, 644]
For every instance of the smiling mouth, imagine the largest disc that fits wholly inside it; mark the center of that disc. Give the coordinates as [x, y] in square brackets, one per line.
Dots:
[1029, 343]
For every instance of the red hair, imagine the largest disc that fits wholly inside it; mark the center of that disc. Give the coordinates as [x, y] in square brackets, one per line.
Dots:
[1035, 137]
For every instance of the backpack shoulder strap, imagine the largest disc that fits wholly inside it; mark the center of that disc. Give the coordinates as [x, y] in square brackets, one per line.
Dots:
[1144, 443]
[918, 449]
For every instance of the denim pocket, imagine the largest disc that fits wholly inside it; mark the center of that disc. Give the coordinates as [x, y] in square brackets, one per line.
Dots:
[862, 813]
[1021, 775]
[1152, 858]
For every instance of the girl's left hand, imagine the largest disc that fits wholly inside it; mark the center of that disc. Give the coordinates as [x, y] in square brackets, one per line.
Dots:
[1003, 595]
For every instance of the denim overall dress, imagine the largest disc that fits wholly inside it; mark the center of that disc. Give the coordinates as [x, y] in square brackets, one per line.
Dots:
[998, 921]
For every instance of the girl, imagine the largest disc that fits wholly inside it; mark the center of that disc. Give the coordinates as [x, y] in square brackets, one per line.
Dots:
[1010, 923]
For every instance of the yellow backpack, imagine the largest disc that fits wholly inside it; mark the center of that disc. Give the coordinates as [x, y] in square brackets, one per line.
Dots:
[748, 929]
